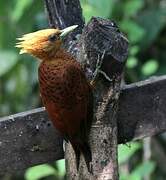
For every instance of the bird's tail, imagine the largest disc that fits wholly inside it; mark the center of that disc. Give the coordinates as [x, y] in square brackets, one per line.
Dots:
[84, 148]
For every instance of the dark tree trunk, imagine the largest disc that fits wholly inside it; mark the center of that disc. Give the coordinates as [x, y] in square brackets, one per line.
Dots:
[100, 39]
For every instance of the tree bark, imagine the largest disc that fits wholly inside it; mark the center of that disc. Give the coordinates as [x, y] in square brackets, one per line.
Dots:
[64, 13]
[101, 39]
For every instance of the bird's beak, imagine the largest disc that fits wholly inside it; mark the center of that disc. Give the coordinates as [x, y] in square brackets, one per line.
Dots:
[67, 30]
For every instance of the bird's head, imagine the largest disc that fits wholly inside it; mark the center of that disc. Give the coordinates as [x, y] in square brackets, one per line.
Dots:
[43, 43]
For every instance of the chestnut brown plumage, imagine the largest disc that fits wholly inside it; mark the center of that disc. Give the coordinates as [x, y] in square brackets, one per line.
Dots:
[64, 89]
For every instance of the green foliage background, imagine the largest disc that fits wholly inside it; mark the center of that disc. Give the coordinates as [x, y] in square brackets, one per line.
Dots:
[144, 23]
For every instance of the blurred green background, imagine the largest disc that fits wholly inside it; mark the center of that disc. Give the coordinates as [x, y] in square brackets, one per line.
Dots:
[144, 23]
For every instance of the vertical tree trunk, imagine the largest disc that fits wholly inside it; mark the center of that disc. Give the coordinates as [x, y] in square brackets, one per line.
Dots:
[100, 39]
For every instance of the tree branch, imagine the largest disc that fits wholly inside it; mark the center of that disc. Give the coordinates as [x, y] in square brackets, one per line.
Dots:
[64, 13]
[28, 138]
[142, 110]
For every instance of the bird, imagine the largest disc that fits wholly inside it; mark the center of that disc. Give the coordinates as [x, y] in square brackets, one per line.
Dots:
[65, 91]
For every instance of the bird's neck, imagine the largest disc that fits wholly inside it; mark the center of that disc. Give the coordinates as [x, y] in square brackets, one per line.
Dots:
[59, 54]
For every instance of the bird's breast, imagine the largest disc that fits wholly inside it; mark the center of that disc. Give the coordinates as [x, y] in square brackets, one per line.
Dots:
[58, 85]
[65, 93]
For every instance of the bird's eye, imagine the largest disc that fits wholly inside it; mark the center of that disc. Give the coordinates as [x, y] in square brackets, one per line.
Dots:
[53, 37]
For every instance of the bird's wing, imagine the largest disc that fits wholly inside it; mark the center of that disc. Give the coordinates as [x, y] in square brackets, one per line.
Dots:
[82, 96]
